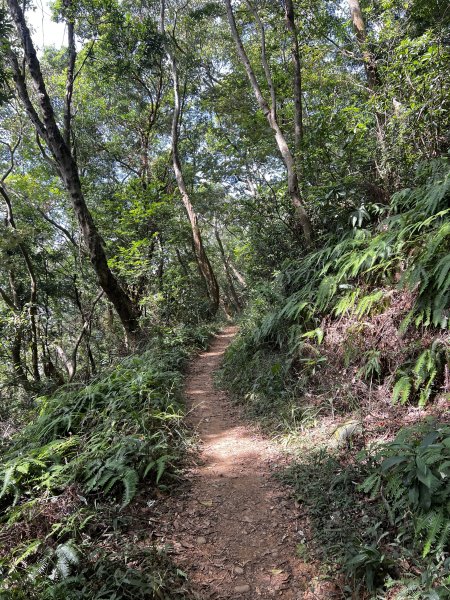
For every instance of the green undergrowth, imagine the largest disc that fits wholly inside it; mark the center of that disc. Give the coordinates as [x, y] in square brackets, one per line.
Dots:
[356, 329]
[382, 519]
[69, 477]
[399, 268]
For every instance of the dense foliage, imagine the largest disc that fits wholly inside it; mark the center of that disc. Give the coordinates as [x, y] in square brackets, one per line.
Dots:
[84, 456]
[284, 162]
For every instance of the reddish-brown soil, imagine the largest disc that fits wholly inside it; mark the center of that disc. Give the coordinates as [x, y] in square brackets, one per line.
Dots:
[234, 531]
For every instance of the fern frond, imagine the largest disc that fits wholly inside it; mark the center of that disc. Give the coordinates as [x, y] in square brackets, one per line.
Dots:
[130, 480]
[402, 390]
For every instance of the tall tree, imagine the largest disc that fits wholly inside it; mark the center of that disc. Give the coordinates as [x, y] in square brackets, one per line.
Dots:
[373, 82]
[203, 261]
[298, 104]
[370, 62]
[49, 131]
[270, 112]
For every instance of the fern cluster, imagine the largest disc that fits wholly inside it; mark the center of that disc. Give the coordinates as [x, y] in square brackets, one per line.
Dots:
[111, 433]
[409, 249]
[412, 244]
[103, 440]
[410, 478]
[419, 377]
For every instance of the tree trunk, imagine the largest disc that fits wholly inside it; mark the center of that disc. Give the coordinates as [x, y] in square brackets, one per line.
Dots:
[238, 275]
[32, 309]
[70, 73]
[370, 63]
[203, 262]
[373, 81]
[16, 345]
[68, 170]
[234, 294]
[204, 265]
[298, 113]
[270, 113]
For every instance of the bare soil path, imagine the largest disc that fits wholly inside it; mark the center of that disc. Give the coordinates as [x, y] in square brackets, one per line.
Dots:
[234, 531]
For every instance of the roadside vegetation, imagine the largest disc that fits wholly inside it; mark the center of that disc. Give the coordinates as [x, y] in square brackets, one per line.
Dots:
[346, 359]
[70, 474]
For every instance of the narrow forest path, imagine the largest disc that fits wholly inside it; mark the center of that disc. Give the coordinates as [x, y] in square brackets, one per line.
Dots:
[234, 531]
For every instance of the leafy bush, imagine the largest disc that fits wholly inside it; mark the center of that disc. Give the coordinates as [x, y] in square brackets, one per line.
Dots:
[412, 473]
[384, 518]
[409, 481]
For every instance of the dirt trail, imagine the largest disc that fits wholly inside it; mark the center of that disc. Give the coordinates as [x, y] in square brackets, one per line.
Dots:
[234, 532]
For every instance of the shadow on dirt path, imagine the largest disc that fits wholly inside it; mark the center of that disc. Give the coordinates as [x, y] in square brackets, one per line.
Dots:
[235, 533]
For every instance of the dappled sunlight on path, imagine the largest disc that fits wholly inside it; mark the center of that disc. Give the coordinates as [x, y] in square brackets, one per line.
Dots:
[235, 532]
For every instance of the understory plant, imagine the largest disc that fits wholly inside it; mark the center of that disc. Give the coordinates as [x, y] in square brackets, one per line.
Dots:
[409, 480]
[90, 447]
[360, 321]
[405, 253]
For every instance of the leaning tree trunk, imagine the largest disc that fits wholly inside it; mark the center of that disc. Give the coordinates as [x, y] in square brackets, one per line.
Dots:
[203, 262]
[48, 129]
[271, 116]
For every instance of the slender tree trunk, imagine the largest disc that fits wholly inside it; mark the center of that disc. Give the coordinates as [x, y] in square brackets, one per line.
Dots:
[204, 265]
[238, 275]
[203, 262]
[373, 81]
[271, 116]
[32, 309]
[234, 294]
[16, 345]
[70, 73]
[298, 113]
[16, 358]
[182, 263]
[87, 325]
[160, 270]
[370, 63]
[71, 363]
[68, 170]
[91, 356]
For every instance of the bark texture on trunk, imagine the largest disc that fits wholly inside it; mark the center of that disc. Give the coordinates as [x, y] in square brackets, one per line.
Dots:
[298, 112]
[48, 129]
[370, 63]
[203, 262]
[271, 116]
